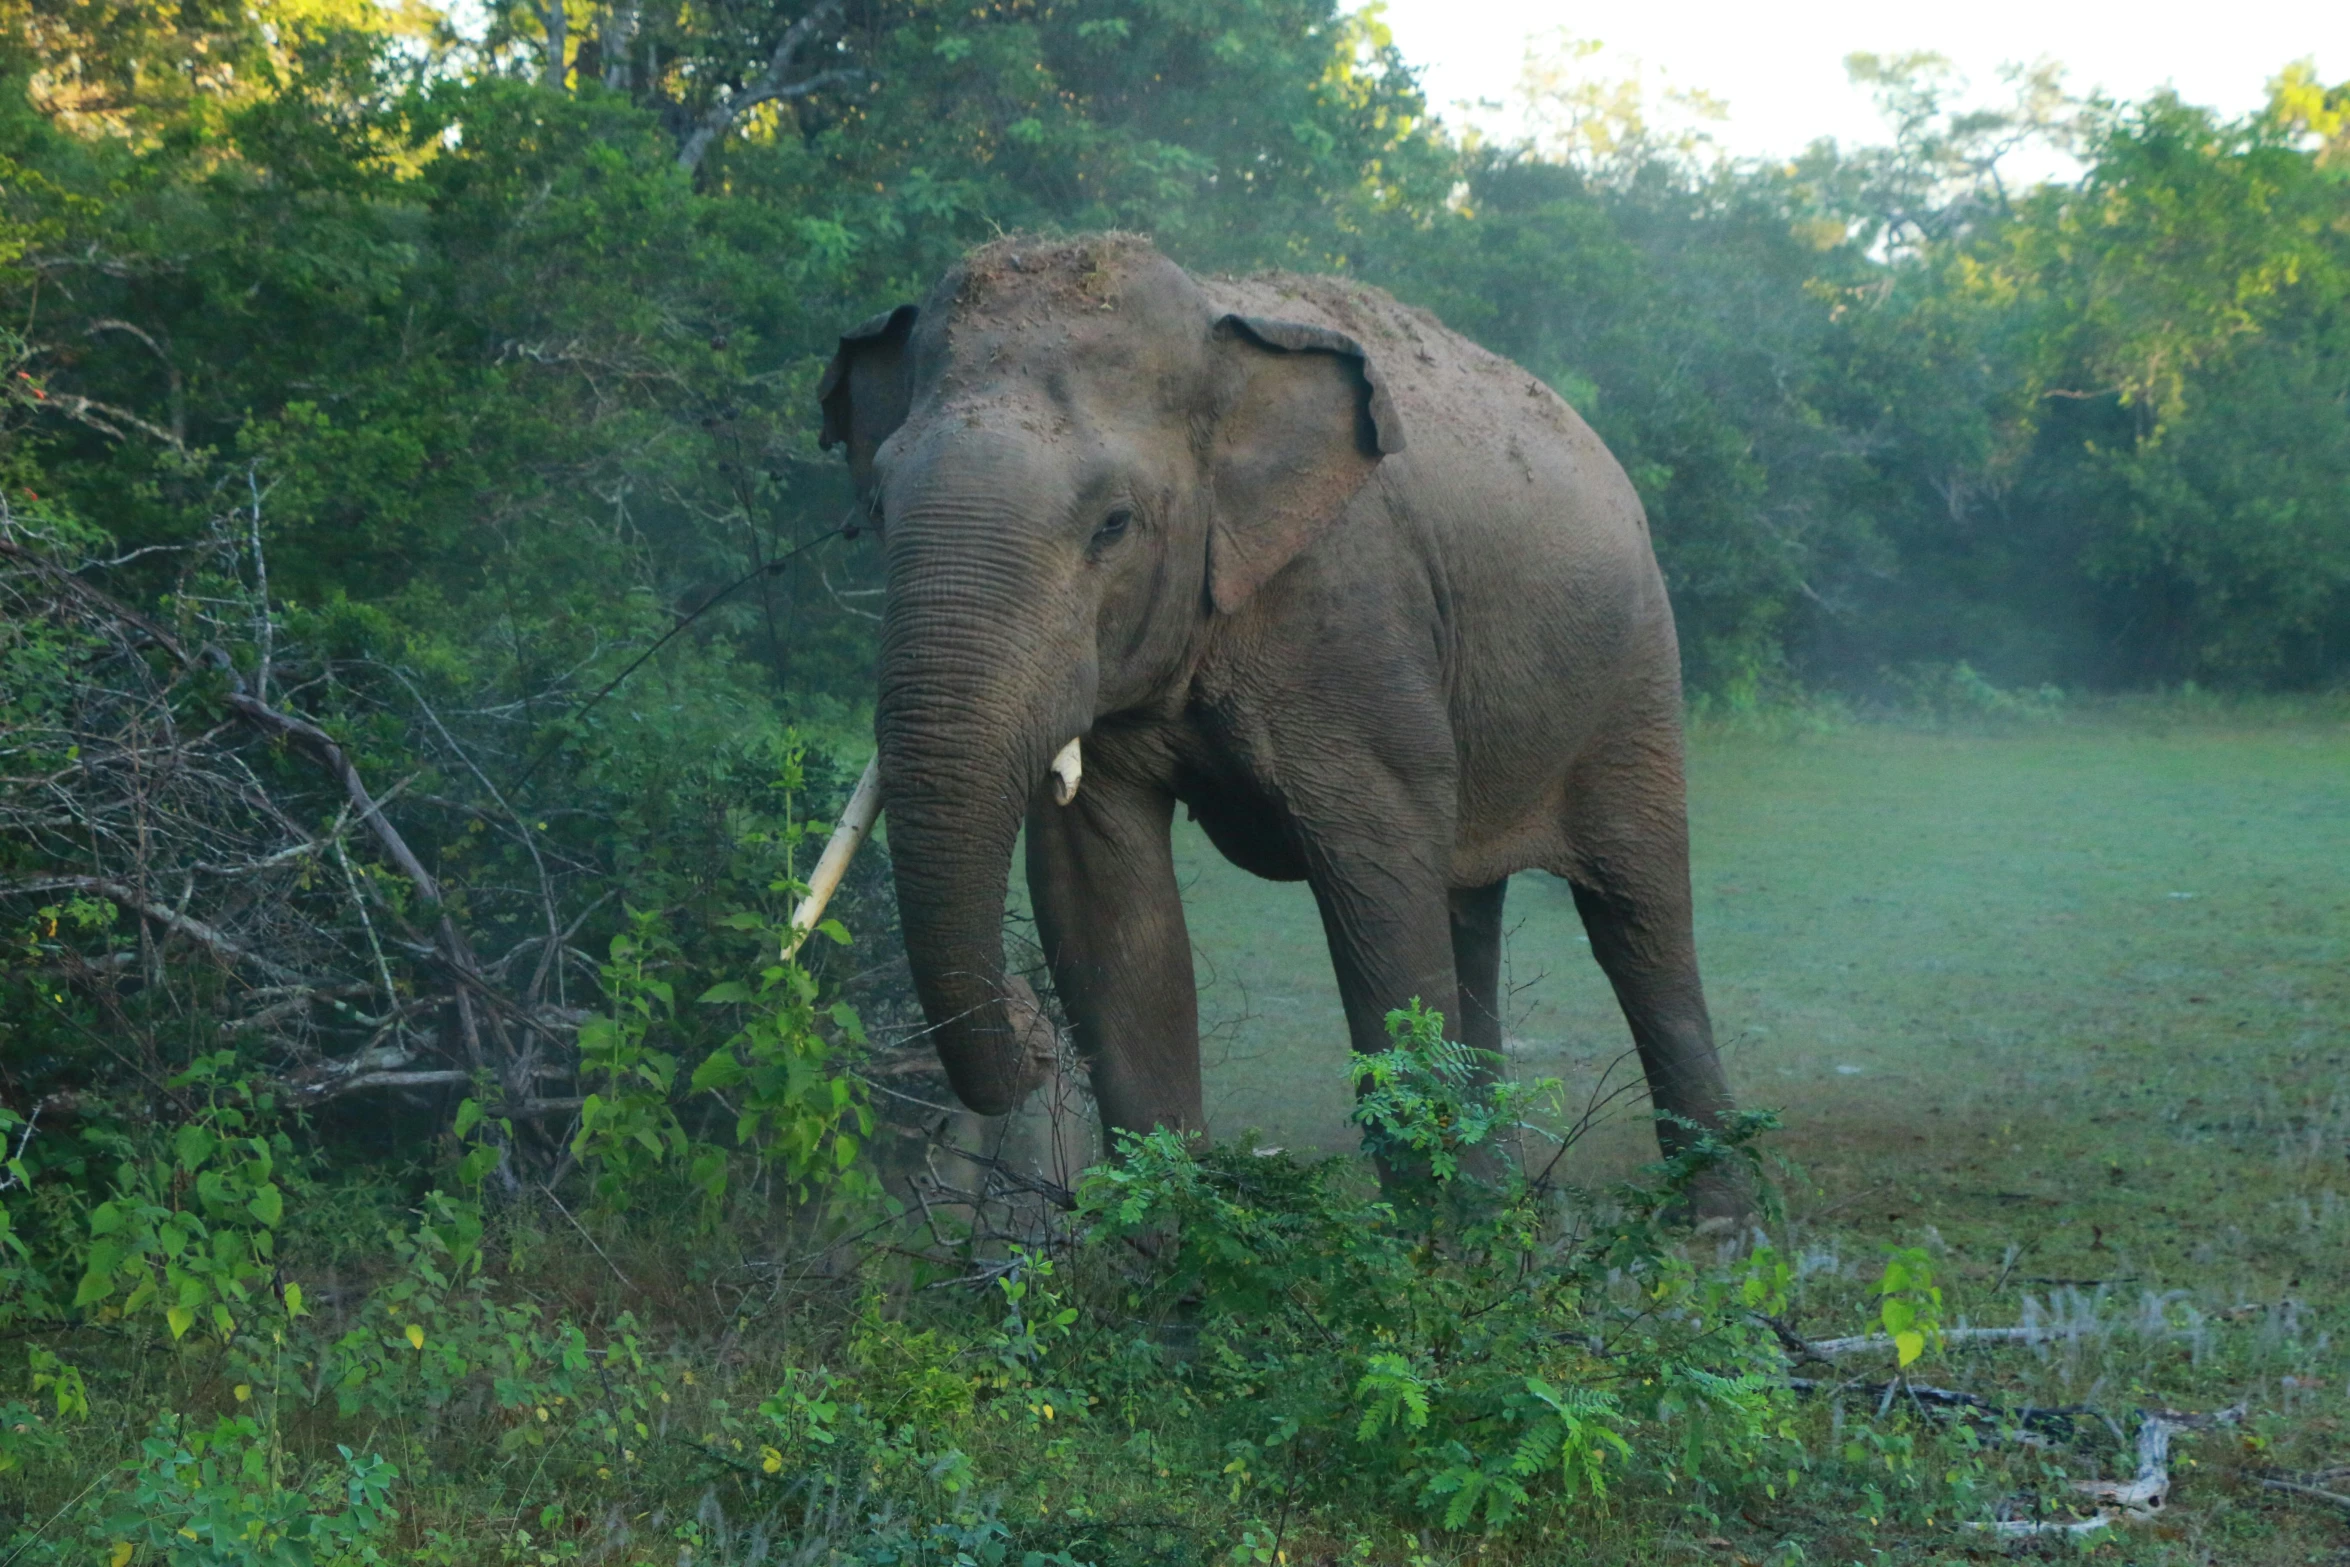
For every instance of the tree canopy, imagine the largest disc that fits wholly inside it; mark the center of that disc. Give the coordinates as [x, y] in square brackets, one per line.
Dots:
[517, 331]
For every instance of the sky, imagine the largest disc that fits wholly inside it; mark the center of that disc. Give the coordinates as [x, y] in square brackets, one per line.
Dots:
[1780, 66]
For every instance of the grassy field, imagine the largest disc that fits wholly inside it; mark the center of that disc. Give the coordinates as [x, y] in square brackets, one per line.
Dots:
[2069, 1005]
[2023, 960]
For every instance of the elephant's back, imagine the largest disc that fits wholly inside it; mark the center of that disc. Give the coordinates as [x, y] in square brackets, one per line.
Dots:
[1453, 396]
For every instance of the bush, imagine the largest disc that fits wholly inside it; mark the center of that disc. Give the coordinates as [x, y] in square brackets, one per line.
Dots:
[1485, 1348]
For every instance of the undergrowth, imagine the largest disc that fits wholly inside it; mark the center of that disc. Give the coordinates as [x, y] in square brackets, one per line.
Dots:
[1231, 1355]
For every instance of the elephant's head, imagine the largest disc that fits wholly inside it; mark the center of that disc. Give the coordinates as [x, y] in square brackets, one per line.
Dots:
[1075, 464]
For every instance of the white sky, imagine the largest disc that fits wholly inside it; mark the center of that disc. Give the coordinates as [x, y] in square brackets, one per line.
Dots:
[1780, 65]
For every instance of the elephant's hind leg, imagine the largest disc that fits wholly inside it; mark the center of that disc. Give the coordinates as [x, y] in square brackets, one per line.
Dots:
[1476, 957]
[1629, 832]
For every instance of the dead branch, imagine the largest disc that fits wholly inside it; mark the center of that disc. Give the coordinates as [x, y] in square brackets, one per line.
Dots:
[218, 942]
[2140, 1499]
[2316, 1493]
[774, 82]
[1861, 1343]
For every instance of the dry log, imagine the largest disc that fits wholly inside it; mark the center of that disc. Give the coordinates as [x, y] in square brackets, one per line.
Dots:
[1860, 1343]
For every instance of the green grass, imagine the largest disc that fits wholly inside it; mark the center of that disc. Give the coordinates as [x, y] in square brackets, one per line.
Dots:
[1912, 940]
[2068, 1004]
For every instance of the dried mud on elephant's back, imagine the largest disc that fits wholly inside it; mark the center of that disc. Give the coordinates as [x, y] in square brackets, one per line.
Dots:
[1433, 372]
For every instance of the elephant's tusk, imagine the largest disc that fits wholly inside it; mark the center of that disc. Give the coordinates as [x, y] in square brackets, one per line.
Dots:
[1068, 771]
[856, 820]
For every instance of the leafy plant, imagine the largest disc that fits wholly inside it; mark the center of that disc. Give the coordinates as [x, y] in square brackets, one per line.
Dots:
[1496, 1350]
[218, 1496]
[190, 1229]
[1909, 1303]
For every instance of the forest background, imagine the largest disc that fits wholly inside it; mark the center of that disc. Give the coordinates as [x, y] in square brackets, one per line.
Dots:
[378, 392]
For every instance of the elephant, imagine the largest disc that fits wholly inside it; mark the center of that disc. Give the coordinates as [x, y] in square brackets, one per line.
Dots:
[1374, 605]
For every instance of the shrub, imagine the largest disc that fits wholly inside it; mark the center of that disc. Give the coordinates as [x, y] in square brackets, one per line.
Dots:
[1477, 1345]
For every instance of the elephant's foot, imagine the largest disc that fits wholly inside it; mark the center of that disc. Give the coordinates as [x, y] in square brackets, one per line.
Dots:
[1719, 1200]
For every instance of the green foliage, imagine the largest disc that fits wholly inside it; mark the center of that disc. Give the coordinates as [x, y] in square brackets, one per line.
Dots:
[190, 1229]
[1909, 1303]
[627, 1126]
[1482, 1348]
[799, 1114]
[1428, 1100]
[218, 1498]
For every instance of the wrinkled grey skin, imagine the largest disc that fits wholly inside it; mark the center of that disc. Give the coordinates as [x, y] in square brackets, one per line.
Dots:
[1371, 603]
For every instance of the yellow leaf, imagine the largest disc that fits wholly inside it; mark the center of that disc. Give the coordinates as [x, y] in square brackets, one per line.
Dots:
[416, 1337]
[243, 1390]
[1048, 1411]
[122, 1553]
[1908, 1346]
[770, 1460]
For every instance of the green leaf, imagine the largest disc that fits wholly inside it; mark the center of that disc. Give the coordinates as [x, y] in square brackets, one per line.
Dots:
[469, 1113]
[724, 991]
[1908, 1345]
[180, 1319]
[833, 931]
[268, 1205]
[192, 1146]
[98, 1281]
[718, 1070]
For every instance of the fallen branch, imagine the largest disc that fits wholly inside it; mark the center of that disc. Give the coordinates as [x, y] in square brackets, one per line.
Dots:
[218, 942]
[1861, 1343]
[2138, 1500]
[2297, 1488]
[2056, 1422]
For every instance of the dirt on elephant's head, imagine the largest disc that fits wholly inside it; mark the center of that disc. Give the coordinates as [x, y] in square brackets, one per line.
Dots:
[1088, 272]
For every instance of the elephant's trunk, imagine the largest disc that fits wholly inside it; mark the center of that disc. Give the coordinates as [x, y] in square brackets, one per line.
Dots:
[970, 714]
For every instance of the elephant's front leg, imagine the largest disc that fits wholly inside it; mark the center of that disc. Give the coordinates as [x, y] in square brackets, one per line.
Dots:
[1101, 873]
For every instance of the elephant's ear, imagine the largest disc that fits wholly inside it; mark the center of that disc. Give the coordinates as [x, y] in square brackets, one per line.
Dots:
[1304, 423]
[864, 391]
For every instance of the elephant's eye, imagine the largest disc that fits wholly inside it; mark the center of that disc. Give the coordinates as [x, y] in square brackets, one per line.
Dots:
[1113, 526]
